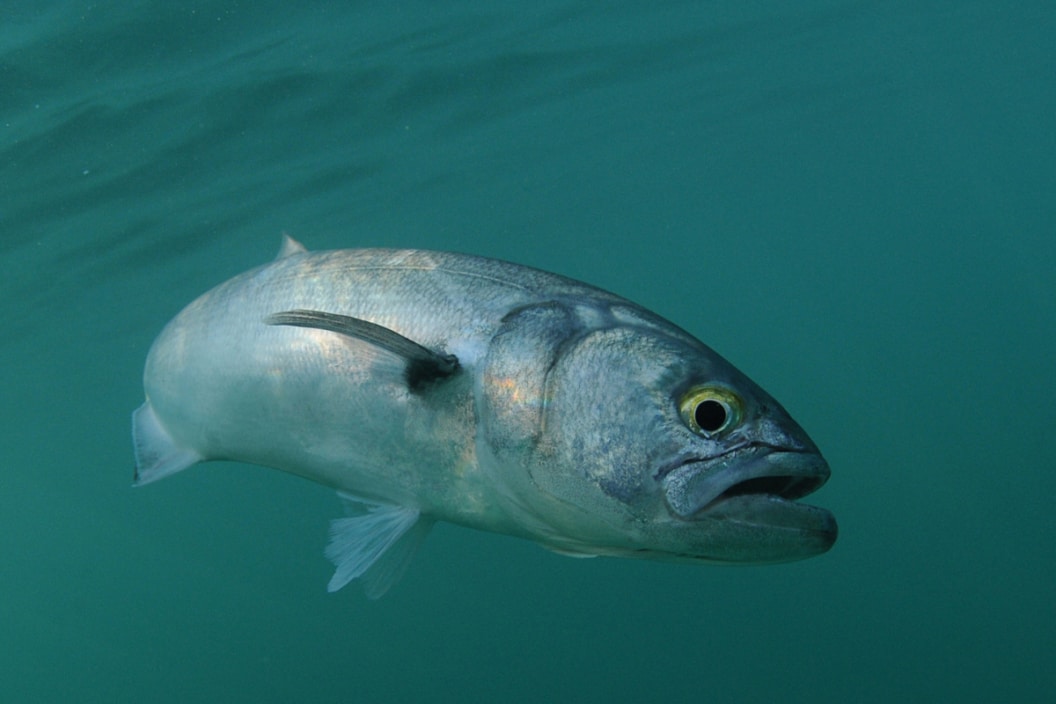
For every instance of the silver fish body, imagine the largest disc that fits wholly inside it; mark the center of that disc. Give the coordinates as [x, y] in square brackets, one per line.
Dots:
[430, 386]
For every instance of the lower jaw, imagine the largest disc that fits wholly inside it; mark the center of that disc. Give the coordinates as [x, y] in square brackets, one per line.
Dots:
[767, 528]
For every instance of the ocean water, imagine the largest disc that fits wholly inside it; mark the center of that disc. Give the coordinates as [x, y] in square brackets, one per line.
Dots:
[852, 201]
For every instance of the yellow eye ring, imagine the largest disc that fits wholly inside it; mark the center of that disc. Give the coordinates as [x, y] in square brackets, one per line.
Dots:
[711, 410]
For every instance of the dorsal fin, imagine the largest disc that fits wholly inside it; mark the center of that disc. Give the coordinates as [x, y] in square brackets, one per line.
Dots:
[290, 246]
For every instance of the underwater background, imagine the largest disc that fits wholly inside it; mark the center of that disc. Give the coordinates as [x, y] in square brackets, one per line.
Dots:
[852, 201]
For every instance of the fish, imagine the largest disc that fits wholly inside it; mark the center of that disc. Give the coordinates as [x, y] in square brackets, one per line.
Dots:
[429, 386]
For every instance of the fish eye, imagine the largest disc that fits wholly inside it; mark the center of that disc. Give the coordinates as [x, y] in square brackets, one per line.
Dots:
[709, 410]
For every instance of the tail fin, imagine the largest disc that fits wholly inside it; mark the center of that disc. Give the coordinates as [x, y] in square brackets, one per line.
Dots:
[157, 456]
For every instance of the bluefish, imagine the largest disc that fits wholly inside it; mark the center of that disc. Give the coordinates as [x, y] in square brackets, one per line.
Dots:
[429, 386]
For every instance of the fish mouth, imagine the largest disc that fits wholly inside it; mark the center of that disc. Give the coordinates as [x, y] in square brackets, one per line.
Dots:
[756, 486]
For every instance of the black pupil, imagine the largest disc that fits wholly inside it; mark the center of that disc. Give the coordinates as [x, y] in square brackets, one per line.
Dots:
[710, 415]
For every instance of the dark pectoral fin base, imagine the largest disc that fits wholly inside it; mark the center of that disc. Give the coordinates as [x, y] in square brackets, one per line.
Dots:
[423, 364]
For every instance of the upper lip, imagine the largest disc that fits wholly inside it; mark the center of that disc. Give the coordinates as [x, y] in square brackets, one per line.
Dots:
[696, 485]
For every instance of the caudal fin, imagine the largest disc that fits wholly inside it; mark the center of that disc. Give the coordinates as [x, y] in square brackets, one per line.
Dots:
[157, 456]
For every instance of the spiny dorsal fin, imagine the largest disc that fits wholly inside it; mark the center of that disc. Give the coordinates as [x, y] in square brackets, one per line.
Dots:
[423, 364]
[290, 246]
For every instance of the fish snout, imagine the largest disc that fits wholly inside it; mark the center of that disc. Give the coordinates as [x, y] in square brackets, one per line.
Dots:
[698, 485]
[752, 493]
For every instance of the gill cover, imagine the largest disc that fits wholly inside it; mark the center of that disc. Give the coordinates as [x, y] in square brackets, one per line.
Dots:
[514, 392]
[562, 419]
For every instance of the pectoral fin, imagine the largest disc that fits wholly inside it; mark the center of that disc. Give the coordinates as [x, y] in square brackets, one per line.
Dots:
[423, 364]
[375, 544]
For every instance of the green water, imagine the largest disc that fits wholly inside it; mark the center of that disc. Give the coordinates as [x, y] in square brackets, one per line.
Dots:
[852, 201]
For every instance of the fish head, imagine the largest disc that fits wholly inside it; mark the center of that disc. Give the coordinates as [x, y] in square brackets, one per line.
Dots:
[641, 441]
